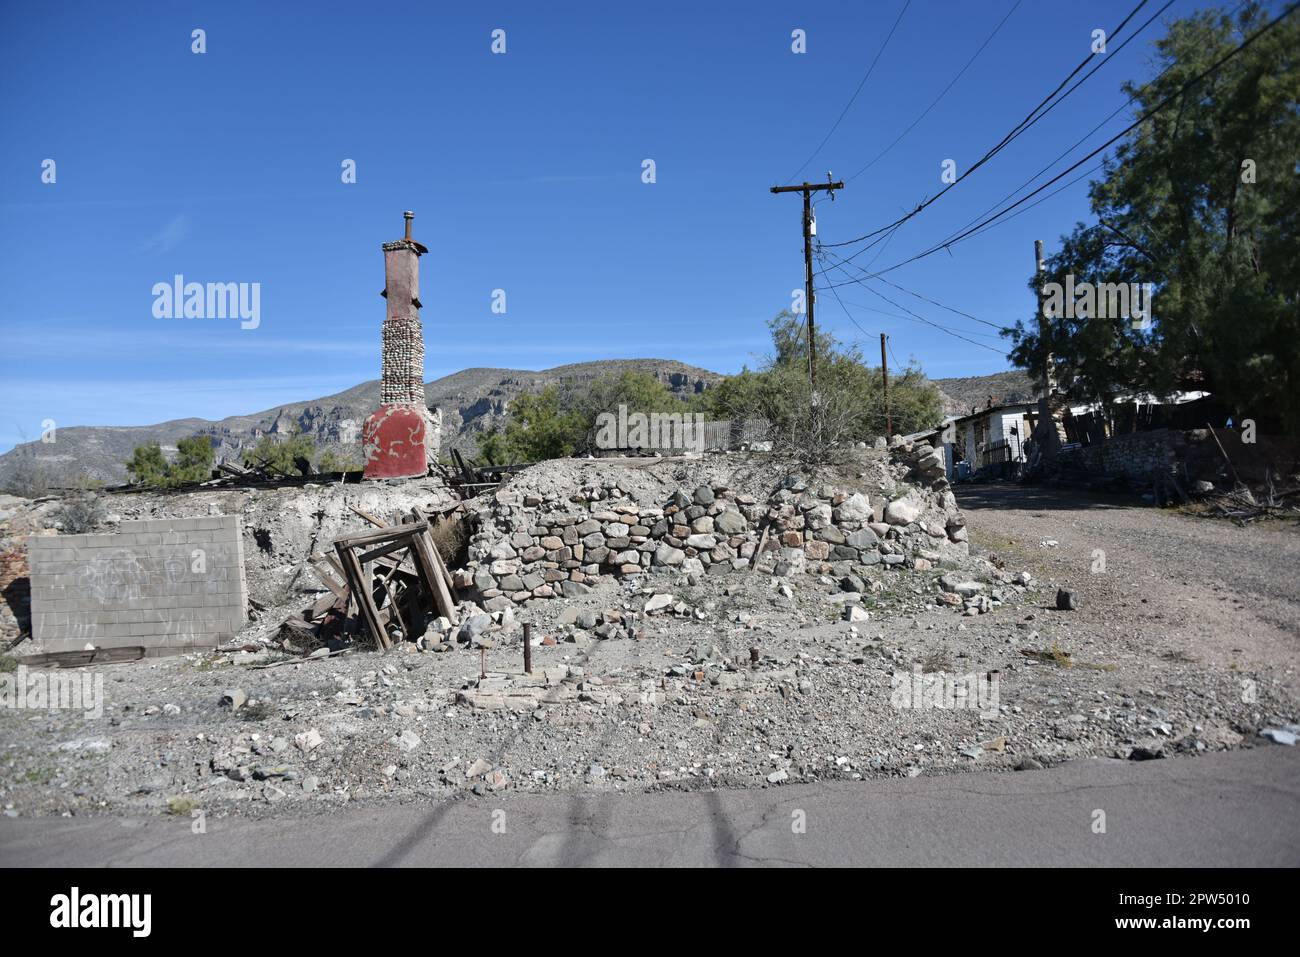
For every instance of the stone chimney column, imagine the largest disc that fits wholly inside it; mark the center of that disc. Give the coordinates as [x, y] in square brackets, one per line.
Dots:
[397, 437]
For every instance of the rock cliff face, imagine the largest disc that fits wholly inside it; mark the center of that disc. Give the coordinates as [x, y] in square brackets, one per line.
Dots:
[960, 395]
[472, 401]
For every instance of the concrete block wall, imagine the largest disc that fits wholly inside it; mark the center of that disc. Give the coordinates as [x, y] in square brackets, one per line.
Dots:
[167, 584]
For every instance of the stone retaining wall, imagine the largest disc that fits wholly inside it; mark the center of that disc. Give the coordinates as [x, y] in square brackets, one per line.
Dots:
[1137, 455]
[533, 546]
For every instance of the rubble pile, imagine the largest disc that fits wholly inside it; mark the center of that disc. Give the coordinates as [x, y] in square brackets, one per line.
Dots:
[542, 537]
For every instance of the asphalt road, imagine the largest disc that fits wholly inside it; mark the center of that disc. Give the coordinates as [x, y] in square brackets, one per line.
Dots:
[1227, 809]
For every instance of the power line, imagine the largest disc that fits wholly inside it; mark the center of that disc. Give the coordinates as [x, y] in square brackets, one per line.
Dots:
[913, 317]
[847, 313]
[844, 112]
[1106, 120]
[1064, 186]
[1030, 119]
[928, 322]
[982, 229]
[934, 302]
[902, 369]
[946, 244]
[942, 94]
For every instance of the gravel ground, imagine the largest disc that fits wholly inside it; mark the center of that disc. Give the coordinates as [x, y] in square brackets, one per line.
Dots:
[1185, 643]
[1224, 595]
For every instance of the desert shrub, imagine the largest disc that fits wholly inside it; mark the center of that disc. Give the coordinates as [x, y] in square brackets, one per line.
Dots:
[27, 479]
[81, 513]
[814, 429]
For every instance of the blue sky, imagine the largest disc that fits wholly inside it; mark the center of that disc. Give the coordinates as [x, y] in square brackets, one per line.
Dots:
[525, 173]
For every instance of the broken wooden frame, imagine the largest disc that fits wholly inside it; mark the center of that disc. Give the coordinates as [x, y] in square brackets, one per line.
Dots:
[383, 566]
[392, 576]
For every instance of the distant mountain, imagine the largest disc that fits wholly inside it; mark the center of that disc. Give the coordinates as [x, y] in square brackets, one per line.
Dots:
[471, 400]
[961, 394]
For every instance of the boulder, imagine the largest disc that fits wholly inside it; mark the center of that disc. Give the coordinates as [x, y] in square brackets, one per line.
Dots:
[855, 508]
[902, 511]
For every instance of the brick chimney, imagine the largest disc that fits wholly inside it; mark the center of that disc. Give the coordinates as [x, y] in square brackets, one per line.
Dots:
[397, 437]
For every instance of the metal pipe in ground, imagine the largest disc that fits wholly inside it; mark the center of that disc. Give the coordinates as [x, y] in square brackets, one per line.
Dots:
[528, 649]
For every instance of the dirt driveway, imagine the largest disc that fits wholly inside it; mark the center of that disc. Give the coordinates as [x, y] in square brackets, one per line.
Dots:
[1200, 590]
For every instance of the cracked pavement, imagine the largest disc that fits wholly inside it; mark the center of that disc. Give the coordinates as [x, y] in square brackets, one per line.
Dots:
[1230, 809]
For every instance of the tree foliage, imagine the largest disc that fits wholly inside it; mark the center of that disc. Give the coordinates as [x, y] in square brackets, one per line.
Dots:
[538, 428]
[562, 420]
[147, 465]
[282, 454]
[1202, 200]
[193, 463]
[333, 462]
[849, 405]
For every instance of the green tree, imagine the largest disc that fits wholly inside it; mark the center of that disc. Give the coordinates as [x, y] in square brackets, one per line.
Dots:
[147, 465]
[193, 463]
[561, 420]
[636, 391]
[281, 455]
[332, 462]
[1202, 200]
[538, 428]
[849, 402]
[492, 446]
[193, 460]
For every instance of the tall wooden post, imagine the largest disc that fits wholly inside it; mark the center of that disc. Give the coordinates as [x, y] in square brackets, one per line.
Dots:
[884, 375]
[809, 297]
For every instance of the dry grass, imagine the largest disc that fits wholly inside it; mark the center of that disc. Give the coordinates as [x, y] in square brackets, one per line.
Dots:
[1056, 655]
[450, 534]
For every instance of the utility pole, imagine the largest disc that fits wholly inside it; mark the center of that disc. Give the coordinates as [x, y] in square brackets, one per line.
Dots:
[1049, 360]
[809, 230]
[884, 375]
[1046, 433]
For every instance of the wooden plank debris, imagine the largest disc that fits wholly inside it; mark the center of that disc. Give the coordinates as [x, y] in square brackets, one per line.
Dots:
[80, 659]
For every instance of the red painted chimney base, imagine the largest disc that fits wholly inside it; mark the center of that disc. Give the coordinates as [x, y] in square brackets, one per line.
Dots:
[393, 443]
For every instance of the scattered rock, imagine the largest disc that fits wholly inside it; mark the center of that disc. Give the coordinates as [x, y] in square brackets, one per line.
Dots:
[233, 698]
[1278, 736]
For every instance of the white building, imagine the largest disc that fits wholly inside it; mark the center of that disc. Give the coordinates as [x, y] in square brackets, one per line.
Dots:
[995, 436]
[987, 437]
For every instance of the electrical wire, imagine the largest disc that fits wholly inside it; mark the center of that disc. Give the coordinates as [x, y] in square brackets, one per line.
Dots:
[1045, 105]
[848, 105]
[993, 325]
[967, 233]
[951, 83]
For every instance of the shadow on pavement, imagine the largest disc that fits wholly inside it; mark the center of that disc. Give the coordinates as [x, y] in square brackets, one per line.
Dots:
[1008, 495]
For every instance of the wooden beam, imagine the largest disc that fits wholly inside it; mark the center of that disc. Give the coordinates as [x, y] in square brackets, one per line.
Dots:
[368, 517]
[380, 535]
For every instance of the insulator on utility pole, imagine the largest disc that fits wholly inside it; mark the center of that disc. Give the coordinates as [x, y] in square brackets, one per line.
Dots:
[809, 231]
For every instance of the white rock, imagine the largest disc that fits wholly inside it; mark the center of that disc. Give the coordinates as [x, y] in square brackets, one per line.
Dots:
[902, 511]
[656, 602]
[855, 508]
